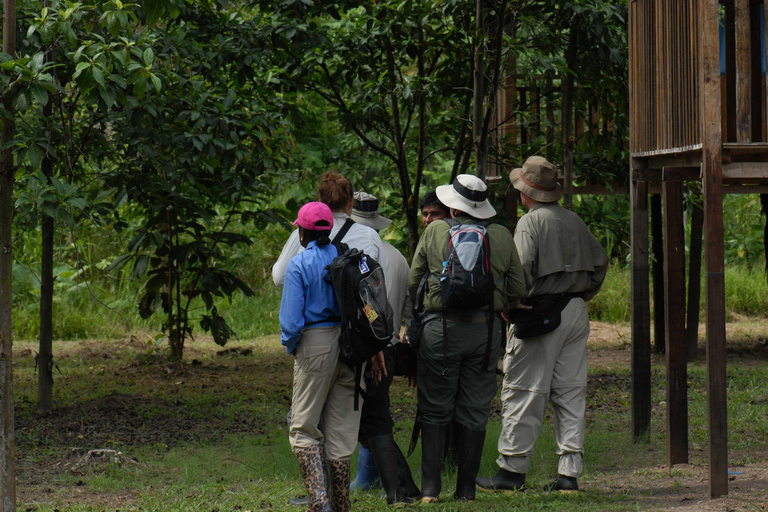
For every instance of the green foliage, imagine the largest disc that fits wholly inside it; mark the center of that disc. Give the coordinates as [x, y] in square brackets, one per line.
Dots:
[612, 304]
[744, 226]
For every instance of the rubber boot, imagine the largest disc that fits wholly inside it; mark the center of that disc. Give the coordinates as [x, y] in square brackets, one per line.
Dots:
[385, 452]
[404, 475]
[452, 447]
[470, 452]
[564, 484]
[311, 464]
[367, 475]
[339, 471]
[432, 450]
[503, 480]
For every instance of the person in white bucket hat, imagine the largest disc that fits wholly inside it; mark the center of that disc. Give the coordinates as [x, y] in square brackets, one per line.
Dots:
[457, 377]
[467, 194]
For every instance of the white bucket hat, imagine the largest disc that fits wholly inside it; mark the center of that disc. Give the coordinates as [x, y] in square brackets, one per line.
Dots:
[468, 194]
[365, 210]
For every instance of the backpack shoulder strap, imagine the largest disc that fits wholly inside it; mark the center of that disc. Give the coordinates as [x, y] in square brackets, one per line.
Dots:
[451, 222]
[343, 231]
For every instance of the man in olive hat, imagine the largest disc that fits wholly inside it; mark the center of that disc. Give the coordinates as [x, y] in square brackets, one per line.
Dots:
[564, 263]
[457, 376]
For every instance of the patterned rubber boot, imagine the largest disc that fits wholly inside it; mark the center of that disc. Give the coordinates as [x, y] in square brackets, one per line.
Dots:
[311, 464]
[339, 470]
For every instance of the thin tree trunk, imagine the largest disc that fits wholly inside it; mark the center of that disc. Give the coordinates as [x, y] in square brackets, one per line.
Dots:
[45, 351]
[478, 118]
[7, 435]
[567, 108]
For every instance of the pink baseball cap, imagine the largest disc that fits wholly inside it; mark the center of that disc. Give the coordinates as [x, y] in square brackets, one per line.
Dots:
[315, 216]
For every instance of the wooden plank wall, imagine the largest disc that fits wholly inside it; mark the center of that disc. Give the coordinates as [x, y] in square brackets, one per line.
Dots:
[664, 111]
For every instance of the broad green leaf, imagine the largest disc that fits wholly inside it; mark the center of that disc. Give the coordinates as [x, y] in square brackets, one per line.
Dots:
[141, 265]
[108, 96]
[98, 75]
[148, 57]
[119, 262]
[81, 66]
[40, 94]
[154, 9]
[156, 82]
[35, 156]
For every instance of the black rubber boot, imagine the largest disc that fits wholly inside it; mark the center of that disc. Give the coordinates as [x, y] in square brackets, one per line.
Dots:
[385, 453]
[452, 447]
[503, 480]
[470, 452]
[432, 450]
[404, 475]
[563, 483]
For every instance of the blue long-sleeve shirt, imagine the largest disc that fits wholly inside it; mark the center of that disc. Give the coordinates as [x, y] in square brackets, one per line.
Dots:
[307, 301]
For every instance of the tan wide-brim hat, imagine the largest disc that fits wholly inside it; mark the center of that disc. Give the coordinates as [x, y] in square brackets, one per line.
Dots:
[537, 179]
[365, 210]
[468, 194]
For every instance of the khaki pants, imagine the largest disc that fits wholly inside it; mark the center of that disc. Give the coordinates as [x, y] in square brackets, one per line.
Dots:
[323, 387]
[548, 367]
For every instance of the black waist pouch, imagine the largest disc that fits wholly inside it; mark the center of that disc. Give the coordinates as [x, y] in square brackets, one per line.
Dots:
[543, 318]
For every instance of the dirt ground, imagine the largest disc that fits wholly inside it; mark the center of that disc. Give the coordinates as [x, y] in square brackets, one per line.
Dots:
[684, 487]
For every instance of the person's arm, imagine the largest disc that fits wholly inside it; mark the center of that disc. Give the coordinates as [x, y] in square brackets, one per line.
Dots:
[526, 251]
[291, 248]
[515, 278]
[292, 306]
[419, 266]
[600, 260]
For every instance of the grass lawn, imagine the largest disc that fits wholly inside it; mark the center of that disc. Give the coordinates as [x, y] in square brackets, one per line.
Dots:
[209, 434]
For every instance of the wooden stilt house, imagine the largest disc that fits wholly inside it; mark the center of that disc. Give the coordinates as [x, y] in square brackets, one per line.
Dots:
[691, 122]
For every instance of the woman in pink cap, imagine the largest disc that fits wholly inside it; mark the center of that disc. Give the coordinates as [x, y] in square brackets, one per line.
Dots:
[323, 387]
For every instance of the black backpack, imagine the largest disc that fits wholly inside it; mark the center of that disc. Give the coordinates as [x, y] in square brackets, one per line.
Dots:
[366, 315]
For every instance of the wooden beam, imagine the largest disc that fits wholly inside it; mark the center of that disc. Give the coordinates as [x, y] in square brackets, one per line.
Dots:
[641, 314]
[730, 72]
[746, 170]
[657, 237]
[714, 259]
[674, 318]
[644, 174]
[694, 281]
[689, 156]
[680, 174]
[743, 72]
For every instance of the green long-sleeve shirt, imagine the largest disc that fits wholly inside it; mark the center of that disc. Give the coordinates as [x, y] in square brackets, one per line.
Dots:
[433, 250]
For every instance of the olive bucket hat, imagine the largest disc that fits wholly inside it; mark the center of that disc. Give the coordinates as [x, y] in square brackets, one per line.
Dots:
[537, 179]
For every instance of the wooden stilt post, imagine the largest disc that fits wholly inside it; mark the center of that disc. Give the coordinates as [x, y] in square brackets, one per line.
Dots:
[657, 234]
[641, 313]
[676, 351]
[694, 282]
[714, 260]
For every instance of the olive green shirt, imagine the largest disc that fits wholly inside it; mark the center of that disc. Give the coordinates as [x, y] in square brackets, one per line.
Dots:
[558, 252]
[505, 262]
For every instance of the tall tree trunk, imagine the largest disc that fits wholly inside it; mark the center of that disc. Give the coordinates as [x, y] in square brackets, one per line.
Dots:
[567, 108]
[478, 114]
[45, 351]
[7, 436]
